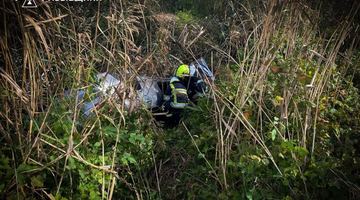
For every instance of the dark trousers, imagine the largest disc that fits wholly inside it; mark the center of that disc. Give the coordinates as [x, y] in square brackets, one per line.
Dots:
[173, 117]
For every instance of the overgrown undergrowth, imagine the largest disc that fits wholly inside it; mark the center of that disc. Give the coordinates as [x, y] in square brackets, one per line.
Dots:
[282, 120]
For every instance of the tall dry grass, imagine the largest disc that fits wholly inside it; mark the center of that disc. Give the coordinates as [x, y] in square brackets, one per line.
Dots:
[288, 22]
[54, 48]
[57, 47]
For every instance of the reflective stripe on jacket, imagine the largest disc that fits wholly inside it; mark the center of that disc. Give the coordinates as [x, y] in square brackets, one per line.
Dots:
[179, 96]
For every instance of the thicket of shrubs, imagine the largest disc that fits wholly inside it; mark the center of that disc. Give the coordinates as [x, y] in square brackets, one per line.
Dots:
[281, 121]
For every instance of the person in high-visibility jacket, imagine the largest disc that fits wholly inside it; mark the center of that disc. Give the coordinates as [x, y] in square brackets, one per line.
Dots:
[176, 95]
[180, 93]
[183, 82]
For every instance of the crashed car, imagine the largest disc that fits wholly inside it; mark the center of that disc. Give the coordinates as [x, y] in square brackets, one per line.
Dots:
[149, 91]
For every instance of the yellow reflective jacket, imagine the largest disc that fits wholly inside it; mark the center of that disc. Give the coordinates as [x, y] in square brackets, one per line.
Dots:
[179, 96]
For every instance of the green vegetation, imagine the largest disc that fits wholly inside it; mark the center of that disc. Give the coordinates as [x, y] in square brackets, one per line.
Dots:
[282, 120]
